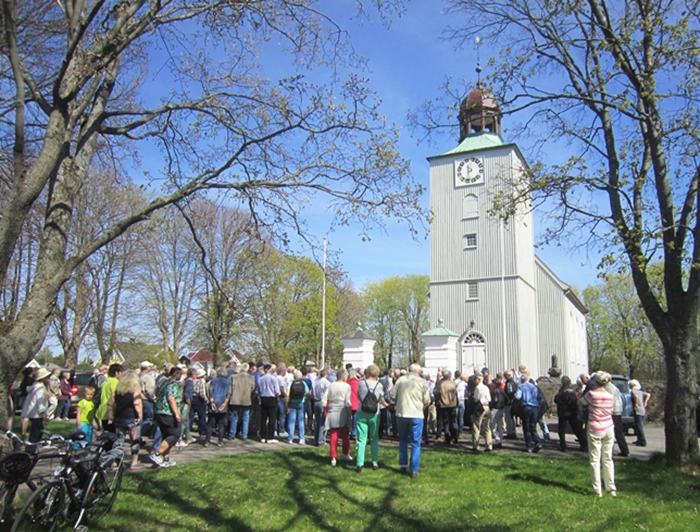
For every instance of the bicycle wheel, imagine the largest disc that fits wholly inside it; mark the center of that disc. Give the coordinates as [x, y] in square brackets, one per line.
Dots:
[7, 497]
[103, 488]
[43, 509]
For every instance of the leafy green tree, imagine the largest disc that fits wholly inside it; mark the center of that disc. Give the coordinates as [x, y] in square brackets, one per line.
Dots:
[397, 314]
[283, 317]
[620, 337]
[75, 84]
[614, 84]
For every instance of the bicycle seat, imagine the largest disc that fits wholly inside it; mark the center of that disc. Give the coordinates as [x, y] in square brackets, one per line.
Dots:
[78, 435]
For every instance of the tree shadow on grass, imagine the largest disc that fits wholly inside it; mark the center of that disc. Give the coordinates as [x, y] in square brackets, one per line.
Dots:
[348, 489]
[542, 481]
[188, 503]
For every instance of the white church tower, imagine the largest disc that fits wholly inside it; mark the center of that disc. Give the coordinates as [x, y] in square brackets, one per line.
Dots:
[486, 282]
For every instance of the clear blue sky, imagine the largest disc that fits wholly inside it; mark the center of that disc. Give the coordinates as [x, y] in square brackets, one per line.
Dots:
[408, 63]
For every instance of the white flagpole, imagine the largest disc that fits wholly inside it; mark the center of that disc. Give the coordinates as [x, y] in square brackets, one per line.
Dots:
[323, 310]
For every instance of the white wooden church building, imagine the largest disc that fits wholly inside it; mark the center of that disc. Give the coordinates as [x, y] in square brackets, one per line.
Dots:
[494, 303]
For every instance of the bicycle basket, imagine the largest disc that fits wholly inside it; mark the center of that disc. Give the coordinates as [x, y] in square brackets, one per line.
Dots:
[16, 467]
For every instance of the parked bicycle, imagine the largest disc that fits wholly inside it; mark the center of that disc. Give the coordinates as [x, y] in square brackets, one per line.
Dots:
[82, 489]
[17, 467]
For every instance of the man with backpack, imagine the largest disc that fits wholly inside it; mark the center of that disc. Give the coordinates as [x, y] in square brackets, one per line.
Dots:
[296, 401]
[567, 412]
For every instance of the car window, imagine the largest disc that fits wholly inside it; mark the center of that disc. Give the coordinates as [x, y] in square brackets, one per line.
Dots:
[82, 379]
[622, 385]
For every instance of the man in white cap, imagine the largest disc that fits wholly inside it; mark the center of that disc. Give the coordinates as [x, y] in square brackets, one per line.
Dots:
[199, 403]
[411, 395]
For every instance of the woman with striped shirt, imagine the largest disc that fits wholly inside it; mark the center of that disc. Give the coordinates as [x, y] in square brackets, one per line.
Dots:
[601, 433]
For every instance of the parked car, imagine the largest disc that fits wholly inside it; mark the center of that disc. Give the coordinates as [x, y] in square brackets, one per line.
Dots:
[79, 380]
[623, 384]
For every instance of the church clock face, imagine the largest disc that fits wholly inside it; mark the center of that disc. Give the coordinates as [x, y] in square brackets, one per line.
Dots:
[469, 171]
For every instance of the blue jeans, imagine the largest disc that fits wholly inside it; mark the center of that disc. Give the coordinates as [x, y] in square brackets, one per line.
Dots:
[410, 431]
[63, 409]
[295, 417]
[147, 423]
[157, 438]
[639, 430]
[529, 418]
[319, 423]
[244, 412]
[281, 416]
[199, 408]
[460, 416]
[216, 417]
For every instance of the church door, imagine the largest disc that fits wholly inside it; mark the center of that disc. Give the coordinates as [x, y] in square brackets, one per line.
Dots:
[473, 352]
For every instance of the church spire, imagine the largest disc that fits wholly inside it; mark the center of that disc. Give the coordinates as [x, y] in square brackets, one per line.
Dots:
[479, 111]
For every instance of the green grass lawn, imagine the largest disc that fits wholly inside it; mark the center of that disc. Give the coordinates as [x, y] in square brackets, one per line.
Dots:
[298, 490]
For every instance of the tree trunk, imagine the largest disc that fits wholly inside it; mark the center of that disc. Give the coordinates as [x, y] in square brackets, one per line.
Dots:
[681, 399]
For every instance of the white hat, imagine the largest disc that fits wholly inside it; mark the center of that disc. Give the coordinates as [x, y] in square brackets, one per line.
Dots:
[602, 377]
[201, 373]
[145, 364]
[42, 374]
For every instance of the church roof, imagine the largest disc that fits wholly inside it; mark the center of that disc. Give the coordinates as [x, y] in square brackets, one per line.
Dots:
[478, 141]
[565, 288]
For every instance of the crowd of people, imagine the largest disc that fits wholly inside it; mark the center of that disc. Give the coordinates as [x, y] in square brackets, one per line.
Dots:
[331, 407]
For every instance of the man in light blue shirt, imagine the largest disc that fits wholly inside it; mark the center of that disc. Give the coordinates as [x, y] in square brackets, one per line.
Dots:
[269, 389]
[527, 394]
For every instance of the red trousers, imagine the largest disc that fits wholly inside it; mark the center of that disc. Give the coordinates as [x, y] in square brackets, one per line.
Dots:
[345, 436]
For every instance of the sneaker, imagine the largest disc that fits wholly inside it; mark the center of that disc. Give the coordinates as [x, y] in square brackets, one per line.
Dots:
[358, 469]
[613, 494]
[290, 442]
[272, 441]
[191, 440]
[206, 444]
[348, 458]
[263, 441]
[333, 462]
[302, 442]
[537, 448]
[375, 467]
[169, 463]
[156, 458]
[220, 444]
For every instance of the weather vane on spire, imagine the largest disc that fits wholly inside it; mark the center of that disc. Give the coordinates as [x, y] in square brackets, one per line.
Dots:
[477, 44]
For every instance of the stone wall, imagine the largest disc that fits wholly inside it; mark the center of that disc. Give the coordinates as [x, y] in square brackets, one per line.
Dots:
[655, 411]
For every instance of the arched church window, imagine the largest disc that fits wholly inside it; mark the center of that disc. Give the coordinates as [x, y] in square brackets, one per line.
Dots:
[470, 206]
[474, 338]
